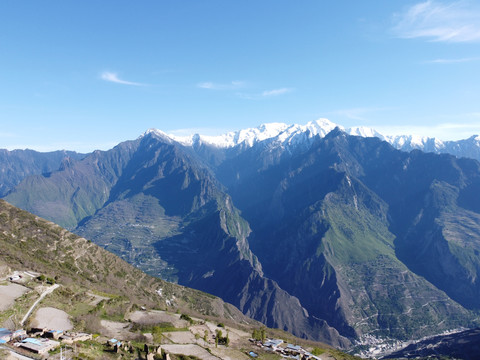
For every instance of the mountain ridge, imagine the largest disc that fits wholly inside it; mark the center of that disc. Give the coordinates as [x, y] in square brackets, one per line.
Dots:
[293, 134]
[306, 237]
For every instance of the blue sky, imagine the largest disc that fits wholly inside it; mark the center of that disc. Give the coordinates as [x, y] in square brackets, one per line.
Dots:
[86, 75]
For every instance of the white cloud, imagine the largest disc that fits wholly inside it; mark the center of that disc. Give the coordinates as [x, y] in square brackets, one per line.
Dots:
[276, 92]
[233, 85]
[457, 21]
[113, 77]
[265, 94]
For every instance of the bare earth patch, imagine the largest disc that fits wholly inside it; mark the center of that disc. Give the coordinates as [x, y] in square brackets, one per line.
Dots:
[51, 318]
[155, 316]
[229, 354]
[8, 294]
[180, 337]
[116, 329]
[191, 350]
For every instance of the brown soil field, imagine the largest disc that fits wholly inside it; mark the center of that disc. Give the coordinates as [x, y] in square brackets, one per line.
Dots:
[8, 294]
[51, 318]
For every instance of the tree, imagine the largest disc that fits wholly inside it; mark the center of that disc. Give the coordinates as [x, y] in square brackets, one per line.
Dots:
[157, 334]
[256, 334]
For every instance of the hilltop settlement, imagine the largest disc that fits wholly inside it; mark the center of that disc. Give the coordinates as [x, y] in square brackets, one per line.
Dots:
[36, 327]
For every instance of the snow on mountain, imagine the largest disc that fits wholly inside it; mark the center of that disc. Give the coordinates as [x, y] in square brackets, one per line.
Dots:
[278, 132]
[159, 133]
[296, 133]
[410, 142]
[248, 136]
[364, 132]
[291, 135]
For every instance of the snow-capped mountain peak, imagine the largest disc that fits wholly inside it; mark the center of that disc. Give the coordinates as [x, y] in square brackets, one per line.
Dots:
[250, 136]
[294, 135]
[158, 133]
[364, 132]
[247, 137]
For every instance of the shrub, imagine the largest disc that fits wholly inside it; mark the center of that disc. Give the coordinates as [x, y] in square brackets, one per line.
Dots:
[187, 318]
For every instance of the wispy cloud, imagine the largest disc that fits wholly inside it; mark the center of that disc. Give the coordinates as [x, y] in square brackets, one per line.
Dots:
[113, 77]
[276, 92]
[266, 93]
[457, 21]
[233, 85]
[451, 61]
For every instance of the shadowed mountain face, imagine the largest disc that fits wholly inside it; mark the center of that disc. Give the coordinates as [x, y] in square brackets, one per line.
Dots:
[341, 238]
[341, 225]
[463, 345]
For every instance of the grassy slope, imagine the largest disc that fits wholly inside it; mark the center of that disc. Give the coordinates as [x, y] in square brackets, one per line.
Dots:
[29, 242]
[84, 269]
[381, 291]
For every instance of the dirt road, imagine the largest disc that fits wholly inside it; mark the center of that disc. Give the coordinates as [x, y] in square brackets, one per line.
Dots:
[45, 293]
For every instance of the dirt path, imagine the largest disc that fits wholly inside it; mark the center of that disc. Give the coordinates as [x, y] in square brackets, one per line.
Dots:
[96, 298]
[45, 293]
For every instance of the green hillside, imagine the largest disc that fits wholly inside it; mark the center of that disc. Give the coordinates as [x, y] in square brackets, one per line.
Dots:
[104, 296]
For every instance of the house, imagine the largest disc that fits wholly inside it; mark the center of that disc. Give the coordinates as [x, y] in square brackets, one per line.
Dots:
[20, 333]
[310, 356]
[37, 331]
[53, 334]
[5, 334]
[39, 346]
[294, 349]
[71, 337]
[273, 343]
[114, 342]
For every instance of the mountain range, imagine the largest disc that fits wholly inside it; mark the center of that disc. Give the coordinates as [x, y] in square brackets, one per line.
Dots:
[289, 135]
[306, 228]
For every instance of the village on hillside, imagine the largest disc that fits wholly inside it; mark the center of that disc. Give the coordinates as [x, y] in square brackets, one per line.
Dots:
[46, 332]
